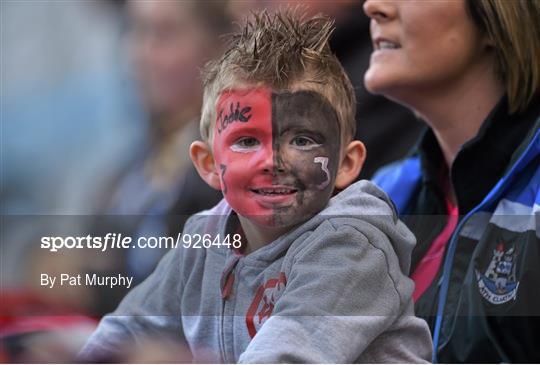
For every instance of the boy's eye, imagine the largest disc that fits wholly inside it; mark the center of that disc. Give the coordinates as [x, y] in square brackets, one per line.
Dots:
[245, 144]
[304, 143]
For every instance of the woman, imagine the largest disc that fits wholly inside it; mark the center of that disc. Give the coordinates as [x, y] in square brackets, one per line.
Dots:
[471, 70]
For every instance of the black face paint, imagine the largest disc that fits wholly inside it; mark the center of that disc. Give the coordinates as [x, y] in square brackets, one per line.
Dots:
[306, 145]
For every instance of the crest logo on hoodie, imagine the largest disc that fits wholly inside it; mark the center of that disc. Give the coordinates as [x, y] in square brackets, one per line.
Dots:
[263, 303]
[498, 284]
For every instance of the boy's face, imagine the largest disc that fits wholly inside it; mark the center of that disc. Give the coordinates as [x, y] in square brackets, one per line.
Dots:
[277, 153]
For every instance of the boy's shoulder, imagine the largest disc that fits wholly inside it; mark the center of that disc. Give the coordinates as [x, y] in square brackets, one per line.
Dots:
[361, 199]
[358, 218]
[210, 220]
[362, 207]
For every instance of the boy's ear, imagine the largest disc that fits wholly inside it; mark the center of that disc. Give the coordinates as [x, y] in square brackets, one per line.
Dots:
[351, 164]
[202, 158]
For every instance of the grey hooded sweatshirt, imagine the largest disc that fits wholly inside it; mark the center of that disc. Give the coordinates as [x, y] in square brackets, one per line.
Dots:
[332, 290]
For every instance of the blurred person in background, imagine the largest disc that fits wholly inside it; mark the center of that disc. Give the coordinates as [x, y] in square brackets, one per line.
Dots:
[73, 118]
[66, 99]
[64, 102]
[387, 129]
[168, 42]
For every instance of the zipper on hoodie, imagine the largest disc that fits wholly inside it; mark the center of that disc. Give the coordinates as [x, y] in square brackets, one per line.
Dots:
[225, 295]
[221, 333]
[226, 285]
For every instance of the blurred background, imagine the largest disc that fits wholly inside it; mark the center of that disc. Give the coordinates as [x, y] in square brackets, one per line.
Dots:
[100, 101]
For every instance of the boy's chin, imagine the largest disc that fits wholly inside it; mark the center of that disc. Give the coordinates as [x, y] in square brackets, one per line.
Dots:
[275, 220]
[265, 221]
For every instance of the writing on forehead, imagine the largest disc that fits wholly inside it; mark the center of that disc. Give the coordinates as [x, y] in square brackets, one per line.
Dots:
[235, 114]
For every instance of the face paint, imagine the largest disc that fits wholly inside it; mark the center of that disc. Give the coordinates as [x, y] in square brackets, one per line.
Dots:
[280, 152]
[324, 166]
[306, 134]
[223, 184]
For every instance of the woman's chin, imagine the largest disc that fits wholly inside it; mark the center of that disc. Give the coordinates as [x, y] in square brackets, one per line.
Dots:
[395, 90]
[375, 82]
[377, 87]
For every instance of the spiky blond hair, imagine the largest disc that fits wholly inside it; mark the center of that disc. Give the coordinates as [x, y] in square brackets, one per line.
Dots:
[283, 51]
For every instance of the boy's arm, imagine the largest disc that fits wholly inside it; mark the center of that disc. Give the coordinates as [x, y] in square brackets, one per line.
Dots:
[149, 311]
[341, 295]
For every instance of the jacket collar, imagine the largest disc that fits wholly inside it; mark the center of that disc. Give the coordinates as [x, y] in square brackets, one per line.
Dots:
[483, 160]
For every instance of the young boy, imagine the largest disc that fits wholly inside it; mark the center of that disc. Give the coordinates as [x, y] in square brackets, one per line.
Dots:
[291, 270]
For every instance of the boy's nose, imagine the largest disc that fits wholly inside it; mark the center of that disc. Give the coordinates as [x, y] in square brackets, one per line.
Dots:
[279, 165]
[271, 161]
[264, 158]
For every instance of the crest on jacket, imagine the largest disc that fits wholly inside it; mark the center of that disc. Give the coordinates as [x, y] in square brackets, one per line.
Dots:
[263, 303]
[498, 284]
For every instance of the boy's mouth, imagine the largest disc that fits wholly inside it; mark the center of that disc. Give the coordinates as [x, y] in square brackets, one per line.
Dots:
[275, 191]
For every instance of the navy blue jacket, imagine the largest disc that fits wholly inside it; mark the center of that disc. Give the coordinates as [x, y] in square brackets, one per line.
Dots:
[486, 297]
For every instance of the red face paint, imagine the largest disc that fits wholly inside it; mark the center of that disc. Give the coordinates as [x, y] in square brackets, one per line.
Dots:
[242, 117]
[277, 153]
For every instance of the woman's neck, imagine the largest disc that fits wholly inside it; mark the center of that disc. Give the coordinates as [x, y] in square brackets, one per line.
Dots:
[456, 113]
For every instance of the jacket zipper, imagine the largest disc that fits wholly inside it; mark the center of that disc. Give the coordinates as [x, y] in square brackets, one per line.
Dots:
[226, 291]
[222, 333]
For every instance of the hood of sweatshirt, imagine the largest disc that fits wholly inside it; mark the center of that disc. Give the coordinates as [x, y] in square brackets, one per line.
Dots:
[362, 203]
